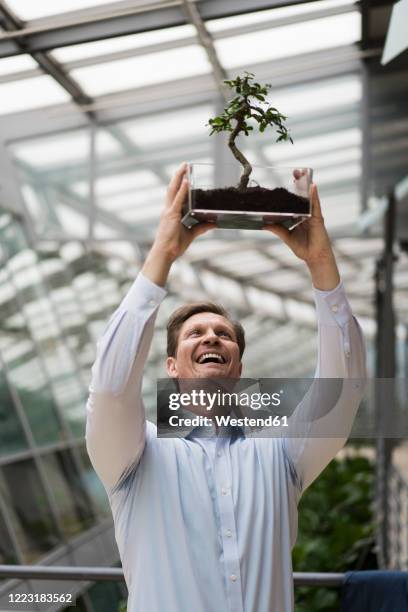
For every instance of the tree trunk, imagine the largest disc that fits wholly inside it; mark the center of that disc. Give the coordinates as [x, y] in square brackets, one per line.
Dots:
[244, 180]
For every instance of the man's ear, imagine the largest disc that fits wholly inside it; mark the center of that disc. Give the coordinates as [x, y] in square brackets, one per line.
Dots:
[171, 367]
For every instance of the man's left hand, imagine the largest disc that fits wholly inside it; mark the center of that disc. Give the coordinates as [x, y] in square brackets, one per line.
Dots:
[310, 242]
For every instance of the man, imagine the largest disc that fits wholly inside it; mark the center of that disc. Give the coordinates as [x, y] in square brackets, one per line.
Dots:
[208, 524]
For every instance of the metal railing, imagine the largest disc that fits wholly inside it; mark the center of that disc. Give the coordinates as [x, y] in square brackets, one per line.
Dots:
[98, 574]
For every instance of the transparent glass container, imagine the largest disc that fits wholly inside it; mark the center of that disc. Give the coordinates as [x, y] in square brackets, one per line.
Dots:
[275, 194]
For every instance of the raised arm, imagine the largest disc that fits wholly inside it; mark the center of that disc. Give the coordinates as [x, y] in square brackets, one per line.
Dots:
[321, 423]
[115, 428]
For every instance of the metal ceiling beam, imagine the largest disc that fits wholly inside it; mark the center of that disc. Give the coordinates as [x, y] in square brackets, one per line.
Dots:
[333, 121]
[206, 41]
[12, 24]
[49, 34]
[51, 67]
[266, 24]
[179, 94]
[81, 205]
[289, 72]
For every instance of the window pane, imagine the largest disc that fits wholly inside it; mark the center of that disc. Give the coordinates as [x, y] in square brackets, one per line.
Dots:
[11, 433]
[68, 148]
[225, 23]
[74, 512]
[27, 503]
[122, 43]
[79, 606]
[106, 596]
[8, 65]
[36, 397]
[31, 93]
[18, 350]
[188, 124]
[8, 555]
[56, 373]
[27, 9]
[144, 70]
[290, 40]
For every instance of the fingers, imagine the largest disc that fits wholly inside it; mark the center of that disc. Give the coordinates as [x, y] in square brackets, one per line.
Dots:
[316, 208]
[180, 197]
[175, 182]
[202, 228]
[298, 173]
[281, 232]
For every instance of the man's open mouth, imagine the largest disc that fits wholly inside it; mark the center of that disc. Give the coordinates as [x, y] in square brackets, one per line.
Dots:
[210, 358]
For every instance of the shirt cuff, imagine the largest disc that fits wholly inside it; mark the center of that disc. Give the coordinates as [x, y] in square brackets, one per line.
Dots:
[143, 295]
[332, 307]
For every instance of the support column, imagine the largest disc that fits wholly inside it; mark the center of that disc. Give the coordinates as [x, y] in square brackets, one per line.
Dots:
[385, 368]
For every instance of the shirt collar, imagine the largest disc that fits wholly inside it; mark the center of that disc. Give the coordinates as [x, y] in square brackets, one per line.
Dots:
[209, 432]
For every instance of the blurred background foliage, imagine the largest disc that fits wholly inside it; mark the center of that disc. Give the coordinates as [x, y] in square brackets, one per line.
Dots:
[336, 529]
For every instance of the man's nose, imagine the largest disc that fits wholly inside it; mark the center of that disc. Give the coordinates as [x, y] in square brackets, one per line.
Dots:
[211, 337]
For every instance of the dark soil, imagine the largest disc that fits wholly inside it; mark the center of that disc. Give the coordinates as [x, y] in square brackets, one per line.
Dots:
[256, 199]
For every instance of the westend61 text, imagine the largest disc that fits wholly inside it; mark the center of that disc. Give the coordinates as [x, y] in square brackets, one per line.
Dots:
[206, 400]
[228, 421]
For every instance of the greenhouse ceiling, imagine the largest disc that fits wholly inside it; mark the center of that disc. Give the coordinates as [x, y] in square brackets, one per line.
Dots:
[100, 102]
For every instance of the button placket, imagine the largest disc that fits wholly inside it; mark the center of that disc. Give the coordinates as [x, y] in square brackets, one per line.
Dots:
[223, 477]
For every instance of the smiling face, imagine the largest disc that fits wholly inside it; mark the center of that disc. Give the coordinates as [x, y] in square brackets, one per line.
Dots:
[207, 348]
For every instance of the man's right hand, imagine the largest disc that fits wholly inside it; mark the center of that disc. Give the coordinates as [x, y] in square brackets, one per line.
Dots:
[172, 237]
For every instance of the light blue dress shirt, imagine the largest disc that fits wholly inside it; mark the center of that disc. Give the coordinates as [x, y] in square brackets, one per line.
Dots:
[207, 524]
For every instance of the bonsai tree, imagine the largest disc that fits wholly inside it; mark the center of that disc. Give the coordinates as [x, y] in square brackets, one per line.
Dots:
[285, 197]
[244, 106]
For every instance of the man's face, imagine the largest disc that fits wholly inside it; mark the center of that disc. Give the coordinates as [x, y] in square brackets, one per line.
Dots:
[207, 348]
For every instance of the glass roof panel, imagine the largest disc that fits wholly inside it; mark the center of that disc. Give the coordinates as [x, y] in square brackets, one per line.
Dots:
[8, 65]
[324, 95]
[131, 200]
[143, 70]
[28, 94]
[27, 9]
[63, 148]
[286, 41]
[73, 222]
[118, 183]
[215, 25]
[303, 148]
[179, 125]
[122, 43]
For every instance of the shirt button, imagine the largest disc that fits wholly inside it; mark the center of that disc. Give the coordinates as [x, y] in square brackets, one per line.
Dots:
[228, 533]
[219, 454]
[224, 491]
[233, 578]
[152, 303]
[335, 308]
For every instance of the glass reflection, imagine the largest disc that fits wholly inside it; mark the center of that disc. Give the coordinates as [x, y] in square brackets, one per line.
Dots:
[8, 555]
[26, 501]
[12, 437]
[74, 512]
[54, 323]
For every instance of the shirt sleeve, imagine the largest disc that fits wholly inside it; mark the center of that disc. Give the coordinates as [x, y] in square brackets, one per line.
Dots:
[321, 423]
[115, 426]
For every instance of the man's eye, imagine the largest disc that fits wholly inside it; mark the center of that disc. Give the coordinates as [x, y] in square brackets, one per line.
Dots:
[225, 333]
[194, 332]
